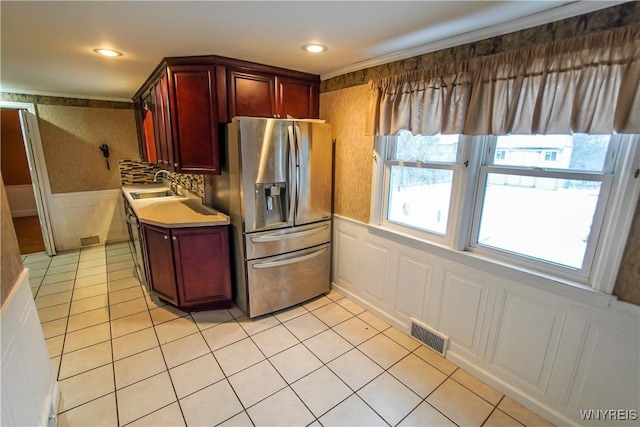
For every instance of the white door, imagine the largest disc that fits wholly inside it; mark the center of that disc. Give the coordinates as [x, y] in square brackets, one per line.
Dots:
[38, 171]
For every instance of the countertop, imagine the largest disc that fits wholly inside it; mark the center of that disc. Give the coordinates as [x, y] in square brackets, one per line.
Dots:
[177, 211]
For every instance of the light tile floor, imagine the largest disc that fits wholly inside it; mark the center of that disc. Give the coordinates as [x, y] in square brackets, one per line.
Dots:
[125, 358]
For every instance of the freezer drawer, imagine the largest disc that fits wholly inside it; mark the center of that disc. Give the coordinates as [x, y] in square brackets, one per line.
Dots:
[282, 281]
[270, 243]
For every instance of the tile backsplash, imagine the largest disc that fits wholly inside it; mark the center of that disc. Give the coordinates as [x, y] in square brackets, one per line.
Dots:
[134, 172]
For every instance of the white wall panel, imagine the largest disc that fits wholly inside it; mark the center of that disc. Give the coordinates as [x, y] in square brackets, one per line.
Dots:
[463, 310]
[85, 214]
[374, 274]
[413, 285]
[531, 360]
[603, 371]
[346, 258]
[29, 389]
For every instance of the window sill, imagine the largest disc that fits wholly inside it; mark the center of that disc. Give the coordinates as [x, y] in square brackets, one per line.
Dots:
[575, 291]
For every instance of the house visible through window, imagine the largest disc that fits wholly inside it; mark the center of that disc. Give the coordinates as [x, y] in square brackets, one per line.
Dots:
[535, 200]
[546, 214]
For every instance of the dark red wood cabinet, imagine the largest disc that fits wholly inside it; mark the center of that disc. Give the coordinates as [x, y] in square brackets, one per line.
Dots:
[189, 267]
[183, 103]
[194, 118]
[189, 98]
[267, 95]
[160, 268]
[297, 98]
[251, 94]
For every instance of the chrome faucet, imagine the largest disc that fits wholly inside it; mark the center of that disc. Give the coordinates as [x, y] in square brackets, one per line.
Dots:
[170, 177]
[161, 171]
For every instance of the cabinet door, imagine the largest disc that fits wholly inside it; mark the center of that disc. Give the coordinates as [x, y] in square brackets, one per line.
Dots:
[202, 266]
[139, 113]
[251, 94]
[194, 118]
[160, 268]
[297, 98]
[161, 128]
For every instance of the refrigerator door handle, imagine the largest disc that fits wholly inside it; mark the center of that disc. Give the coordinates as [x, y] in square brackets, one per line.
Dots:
[289, 236]
[290, 261]
[293, 176]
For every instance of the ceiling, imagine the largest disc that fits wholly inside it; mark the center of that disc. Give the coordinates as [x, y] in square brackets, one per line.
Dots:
[47, 47]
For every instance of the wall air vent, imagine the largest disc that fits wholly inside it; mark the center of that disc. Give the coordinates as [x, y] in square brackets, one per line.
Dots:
[89, 241]
[427, 336]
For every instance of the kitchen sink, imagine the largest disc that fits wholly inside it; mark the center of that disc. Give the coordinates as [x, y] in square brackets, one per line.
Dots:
[151, 194]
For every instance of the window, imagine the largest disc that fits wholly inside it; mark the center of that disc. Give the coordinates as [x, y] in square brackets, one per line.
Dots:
[420, 182]
[542, 213]
[533, 201]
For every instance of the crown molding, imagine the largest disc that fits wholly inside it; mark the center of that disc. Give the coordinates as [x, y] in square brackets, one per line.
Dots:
[540, 18]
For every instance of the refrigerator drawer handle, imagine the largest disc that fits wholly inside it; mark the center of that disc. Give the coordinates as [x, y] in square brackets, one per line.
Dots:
[289, 261]
[288, 236]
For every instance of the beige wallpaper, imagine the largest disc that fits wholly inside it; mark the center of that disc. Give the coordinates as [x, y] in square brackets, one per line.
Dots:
[70, 138]
[345, 110]
[11, 263]
[628, 283]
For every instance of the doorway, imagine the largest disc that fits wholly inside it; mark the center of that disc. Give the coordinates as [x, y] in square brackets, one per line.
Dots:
[25, 178]
[17, 180]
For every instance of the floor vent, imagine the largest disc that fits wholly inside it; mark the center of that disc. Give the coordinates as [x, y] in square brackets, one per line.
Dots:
[432, 339]
[90, 240]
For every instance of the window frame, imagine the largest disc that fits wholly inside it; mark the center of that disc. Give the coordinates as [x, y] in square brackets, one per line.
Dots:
[383, 161]
[613, 216]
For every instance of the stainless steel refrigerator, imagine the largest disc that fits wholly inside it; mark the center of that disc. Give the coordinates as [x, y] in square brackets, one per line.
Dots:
[276, 187]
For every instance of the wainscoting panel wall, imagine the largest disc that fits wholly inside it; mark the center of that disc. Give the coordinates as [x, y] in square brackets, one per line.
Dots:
[85, 215]
[463, 308]
[554, 348]
[375, 276]
[603, 368]
[29, 390]
[543, 324]
[413, 283]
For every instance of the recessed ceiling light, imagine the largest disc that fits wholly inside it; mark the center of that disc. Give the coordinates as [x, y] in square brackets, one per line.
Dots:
[314, 48]
[107, 52]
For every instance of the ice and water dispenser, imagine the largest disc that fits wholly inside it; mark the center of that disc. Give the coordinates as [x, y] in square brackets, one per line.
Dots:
[272, 194]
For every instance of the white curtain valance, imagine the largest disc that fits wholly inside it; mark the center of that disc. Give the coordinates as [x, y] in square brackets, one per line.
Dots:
[588, 84]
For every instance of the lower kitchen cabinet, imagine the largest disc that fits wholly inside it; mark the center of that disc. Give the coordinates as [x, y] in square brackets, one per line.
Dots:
[189, 267]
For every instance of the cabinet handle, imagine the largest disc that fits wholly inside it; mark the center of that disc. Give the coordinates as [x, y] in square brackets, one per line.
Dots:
[175, 165]
[174, 237]
[166, 237]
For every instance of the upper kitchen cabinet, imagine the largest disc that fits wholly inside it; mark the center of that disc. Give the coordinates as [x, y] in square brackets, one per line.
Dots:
[251, 94]
[177, 109]
[297, 98]
[256, 90]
